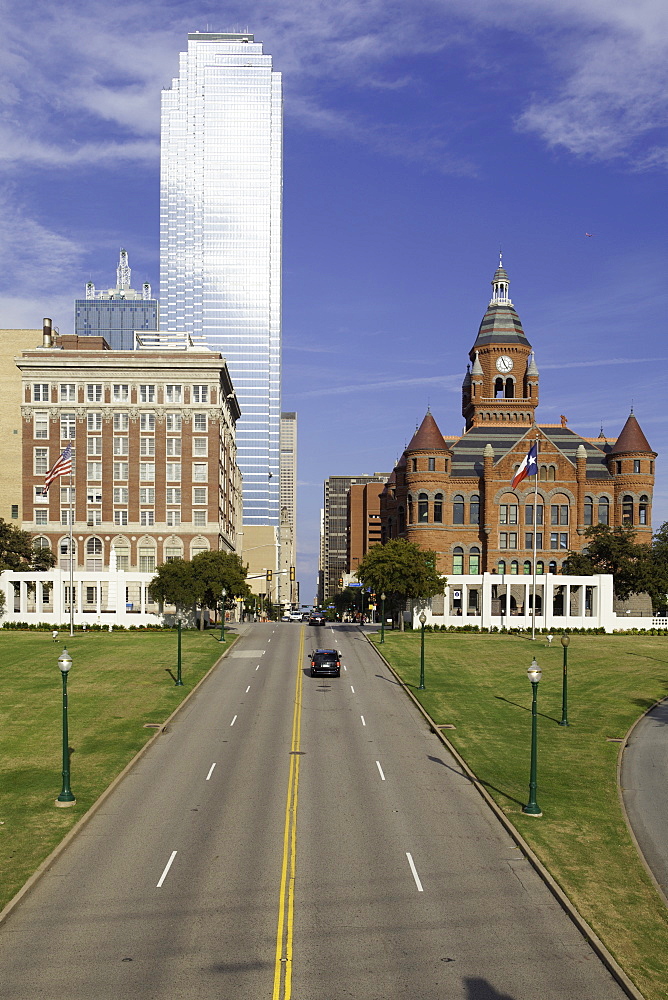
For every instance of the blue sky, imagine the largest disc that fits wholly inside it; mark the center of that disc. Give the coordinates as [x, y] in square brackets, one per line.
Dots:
[420, 136]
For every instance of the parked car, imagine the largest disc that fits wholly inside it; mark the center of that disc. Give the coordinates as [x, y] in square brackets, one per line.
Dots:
[326, 662]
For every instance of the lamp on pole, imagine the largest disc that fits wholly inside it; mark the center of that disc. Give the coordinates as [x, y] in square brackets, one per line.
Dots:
[565, 640]
[66, 798]
[179, 680]
[534, 674]
[382, 617]
[222, 616]
[422, 620]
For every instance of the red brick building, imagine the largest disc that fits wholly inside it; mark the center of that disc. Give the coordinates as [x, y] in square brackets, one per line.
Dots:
[364, 529]
[153, 435]
[453, 494]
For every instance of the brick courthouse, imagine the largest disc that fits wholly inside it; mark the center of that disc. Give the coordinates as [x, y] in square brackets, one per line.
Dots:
[453, 495]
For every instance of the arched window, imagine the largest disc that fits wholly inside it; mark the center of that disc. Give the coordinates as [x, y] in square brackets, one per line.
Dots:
[458, 560]
[474, 561]
[423, 508]
[627, 509]
[501, 566]
[603, 510]
[401, 517]
[121, 547]
[510, 388]
[551, 473]
[542, 474]
[540, 568]
[498, 388]
[173, 549]
[526, 568]
[146, 552]
[41, 543]
[94, 555]
[458, 509]
[410, 509]
[514, 567]
[643, 506]
[552, 568]
[438, 508]
[198, 545]
[588, 511]
[474, 509]
[64, 553]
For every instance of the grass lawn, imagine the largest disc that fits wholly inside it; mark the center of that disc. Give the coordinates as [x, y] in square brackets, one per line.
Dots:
[118, 682]
[478, 683]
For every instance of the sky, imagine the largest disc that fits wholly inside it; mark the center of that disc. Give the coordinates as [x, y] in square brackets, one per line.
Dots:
[421, 136]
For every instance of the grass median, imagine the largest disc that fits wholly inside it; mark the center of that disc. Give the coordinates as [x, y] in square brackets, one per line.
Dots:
[478, 683]
[118, 685]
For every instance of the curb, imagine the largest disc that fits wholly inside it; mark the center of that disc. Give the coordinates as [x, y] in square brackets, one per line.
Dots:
[595, 942]
[661, 891]
[44, 866]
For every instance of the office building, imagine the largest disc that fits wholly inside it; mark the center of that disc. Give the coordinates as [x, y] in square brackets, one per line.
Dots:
[116, 313]
[12, 342]
[220, 238]
[334, 547]
[154, 452]
[288, 497]
[364, 529]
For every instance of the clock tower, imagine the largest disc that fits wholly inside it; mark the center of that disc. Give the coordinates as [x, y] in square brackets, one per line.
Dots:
[501, 383]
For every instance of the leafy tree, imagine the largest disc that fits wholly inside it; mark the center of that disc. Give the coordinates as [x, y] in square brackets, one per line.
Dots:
[17, 550]
[636, 568]
[174, 583]
[347, 600]
[401, 570]
[213, 571]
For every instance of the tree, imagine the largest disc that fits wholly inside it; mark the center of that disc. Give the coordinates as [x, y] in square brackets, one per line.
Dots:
[18, 551]
[213, 571]
[173, 583]
[347, 600]
[635, 568]
[401, 570]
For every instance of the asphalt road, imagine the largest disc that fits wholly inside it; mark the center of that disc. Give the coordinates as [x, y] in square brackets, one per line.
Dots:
[295, 837]
[644, 779]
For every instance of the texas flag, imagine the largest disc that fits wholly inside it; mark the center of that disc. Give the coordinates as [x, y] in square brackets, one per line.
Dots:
[529, 466]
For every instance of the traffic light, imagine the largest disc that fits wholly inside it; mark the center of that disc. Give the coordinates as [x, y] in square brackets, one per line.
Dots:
[269, 575]
[292, 573]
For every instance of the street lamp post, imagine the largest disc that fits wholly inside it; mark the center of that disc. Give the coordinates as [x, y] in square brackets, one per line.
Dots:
[222, 617]
[534, 674]
[179, 680]
[422, 619]
[565, 640]
[66, 798]
[382, 617]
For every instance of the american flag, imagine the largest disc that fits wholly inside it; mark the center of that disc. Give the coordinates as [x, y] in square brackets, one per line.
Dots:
[61, 468]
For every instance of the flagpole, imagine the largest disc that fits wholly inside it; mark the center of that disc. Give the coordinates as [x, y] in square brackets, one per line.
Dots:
[535, 540]
[71, 551]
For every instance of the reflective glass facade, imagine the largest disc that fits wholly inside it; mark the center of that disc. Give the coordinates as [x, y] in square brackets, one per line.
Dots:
[220, 235]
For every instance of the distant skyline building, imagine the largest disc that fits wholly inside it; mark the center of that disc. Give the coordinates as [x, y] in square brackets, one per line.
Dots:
[334, 544]
[116, 313]
[288, 495]
[220, 236]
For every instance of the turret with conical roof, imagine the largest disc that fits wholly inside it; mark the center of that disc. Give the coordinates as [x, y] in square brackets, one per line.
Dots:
[631, 464]
[504, 378]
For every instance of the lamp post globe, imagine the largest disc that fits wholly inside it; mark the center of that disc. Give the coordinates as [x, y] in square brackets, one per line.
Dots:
[534, 673]
[565, 642]
[422, 619]
[66, 798]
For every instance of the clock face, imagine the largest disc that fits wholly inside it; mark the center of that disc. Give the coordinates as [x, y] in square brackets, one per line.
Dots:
[504, 363]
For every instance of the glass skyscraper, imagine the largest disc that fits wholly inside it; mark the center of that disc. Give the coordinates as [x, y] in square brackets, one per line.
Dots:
[220, 235]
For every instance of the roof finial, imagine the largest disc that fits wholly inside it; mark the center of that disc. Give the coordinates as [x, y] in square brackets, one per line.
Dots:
[631, 406]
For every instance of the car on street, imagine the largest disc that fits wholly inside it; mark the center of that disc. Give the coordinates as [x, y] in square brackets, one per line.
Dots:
[317, 618]
[326, 662]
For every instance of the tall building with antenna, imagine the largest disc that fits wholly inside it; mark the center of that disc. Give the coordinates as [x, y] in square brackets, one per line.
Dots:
[116, 313]
[220, 237]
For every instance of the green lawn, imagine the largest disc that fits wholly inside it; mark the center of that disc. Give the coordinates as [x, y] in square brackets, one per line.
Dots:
[478, 683]
[117, 684]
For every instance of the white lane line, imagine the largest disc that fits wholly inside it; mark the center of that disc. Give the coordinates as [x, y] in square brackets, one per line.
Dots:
[345, 668]
[233, 720]
[382, 776]
[352, 689]
[248, 689]
[167, 867]
[415, 874]
[258, 667]
[362, 718]
[210, 772]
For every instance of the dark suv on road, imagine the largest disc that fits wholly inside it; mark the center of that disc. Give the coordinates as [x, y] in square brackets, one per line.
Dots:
[326, 662]
[317, 618]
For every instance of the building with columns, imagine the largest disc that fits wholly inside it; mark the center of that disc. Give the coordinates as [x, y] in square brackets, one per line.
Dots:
[453, 494]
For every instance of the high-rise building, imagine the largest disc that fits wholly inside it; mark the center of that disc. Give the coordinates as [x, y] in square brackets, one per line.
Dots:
[334, 547]
[288, 495]
[220, 236]
[116, 313]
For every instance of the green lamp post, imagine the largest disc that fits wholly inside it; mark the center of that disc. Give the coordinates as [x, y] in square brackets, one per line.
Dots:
[565, 640]
[179, 679]
[422, 620]
[382, 617]
[222, 616]
[534, 674]
[66, 798]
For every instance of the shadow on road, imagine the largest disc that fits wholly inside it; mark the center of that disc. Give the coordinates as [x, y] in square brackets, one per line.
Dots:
[481, 989]
[475, 781]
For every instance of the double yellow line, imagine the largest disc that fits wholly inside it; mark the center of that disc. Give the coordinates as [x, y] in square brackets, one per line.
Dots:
[286, 902]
